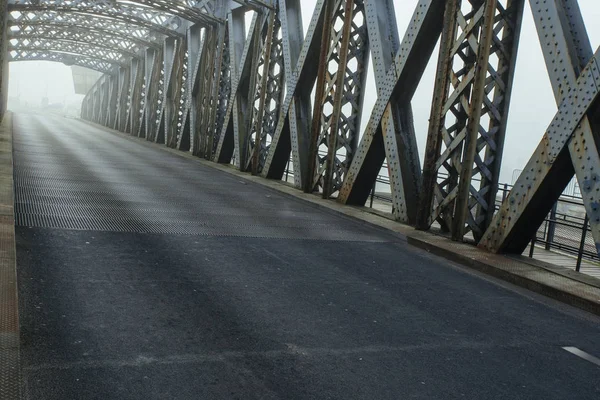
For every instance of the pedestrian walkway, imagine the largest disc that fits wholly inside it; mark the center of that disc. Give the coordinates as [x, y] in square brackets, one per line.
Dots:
[565, 261]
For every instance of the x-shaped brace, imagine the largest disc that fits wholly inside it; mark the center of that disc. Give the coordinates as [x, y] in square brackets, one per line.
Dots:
[568, 144]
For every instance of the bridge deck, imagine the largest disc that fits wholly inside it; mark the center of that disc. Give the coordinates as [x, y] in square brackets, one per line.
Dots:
[144, 275]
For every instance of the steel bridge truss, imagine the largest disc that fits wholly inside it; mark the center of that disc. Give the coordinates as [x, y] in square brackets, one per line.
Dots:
[191, 75]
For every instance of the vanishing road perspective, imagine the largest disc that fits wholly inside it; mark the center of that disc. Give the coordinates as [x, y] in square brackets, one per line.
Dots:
[299, 199]
[147, 275]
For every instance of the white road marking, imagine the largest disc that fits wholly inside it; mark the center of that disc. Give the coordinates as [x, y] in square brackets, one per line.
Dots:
[583, 354]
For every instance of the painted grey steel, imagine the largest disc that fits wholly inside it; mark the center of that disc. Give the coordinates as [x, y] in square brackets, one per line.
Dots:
[569, 146]
[191, 76]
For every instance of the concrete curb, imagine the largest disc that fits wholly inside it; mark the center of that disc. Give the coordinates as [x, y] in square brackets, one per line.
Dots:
[10, 383]
[516, 270]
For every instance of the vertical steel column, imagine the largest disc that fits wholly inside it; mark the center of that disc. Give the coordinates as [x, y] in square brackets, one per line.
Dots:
[473, 123]
[176, 93]
[254, 121]
[100, 109]
[195, 46]
[122, 101]
[321, 91]
[207, 75]
[153, 67]
[390, 132]
[156, 99]
[247, 82]
[212, 128]
[174, 57]
[224, 91]
[113, 93]
[456, 117]
[443, 81]
[500, 81]
[273, 79]
[569, 145]
[150, 57]
[293, 125]
[240, 56]
[165, 101]
[339, 98]
[95, 104]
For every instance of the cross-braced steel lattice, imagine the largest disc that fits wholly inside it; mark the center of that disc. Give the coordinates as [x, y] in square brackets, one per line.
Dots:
[469, 114]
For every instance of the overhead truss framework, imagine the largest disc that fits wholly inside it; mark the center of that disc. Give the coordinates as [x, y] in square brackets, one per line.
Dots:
[101, 34]
[270, 98]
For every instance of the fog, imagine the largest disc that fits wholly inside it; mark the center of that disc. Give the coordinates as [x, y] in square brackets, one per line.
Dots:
[531, 111]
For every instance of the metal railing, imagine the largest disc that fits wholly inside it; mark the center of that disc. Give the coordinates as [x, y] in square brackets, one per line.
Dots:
[565, 229]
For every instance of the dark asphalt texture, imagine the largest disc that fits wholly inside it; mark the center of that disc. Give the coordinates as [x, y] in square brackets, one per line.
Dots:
[145, 275]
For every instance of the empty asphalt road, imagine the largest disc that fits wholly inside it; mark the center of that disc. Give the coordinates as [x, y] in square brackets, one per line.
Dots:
[145, 275]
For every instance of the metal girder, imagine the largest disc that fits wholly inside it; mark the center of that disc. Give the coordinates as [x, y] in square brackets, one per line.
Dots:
[134, 96]
[171, 91]
[390, 133]
[153, 93]
[268, 95]
[469, 114]
[146, 12]
[340, 93]
[106, 48]
[122, 107]
[258, 85]
[195, 47]
[154, 21]
[569, 146]
[80, 34]
[292, 129]
[201, 90]
[207, 91]
[254, 97]
[224, 87]
[241, 50]
[65, 58]
[92, 51]
[88, 22]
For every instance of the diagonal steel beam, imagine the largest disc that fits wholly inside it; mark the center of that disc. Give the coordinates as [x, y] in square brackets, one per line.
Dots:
[569, 145]
[389, 133]
[292, 129]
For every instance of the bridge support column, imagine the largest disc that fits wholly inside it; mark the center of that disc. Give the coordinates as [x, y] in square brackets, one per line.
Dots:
[469, 114]
[170, 92]
[134, 98]
[390, 135]
[242, 50]
[204, 96]
[122, 106]
[301, 72]
[155, 94]
[113, 100]
[339, 97]
[570, 145]
[195, 46]
[268, 95]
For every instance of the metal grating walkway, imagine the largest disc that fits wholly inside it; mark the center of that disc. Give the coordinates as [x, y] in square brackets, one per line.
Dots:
[69, 180]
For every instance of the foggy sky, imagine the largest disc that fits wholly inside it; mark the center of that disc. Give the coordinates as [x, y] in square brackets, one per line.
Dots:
[532, 106]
